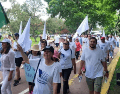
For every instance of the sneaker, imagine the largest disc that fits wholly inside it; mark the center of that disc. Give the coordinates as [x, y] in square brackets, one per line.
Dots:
[16, 82]
[112, 57]
[68, 91]
[108, 62]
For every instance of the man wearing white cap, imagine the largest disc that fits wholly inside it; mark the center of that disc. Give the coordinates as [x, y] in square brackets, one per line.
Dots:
[105, 47]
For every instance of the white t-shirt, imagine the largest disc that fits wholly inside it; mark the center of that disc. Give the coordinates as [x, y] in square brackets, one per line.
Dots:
[93, 58]
[17, 53]
[108, 43]
[85, 40]
[39, 45]
[57, 38]
[72, 46]
[61, 45]
[65, 58]
[30, 56]
[45, 76]
[112, 41]
[104, 47]
[117, 38]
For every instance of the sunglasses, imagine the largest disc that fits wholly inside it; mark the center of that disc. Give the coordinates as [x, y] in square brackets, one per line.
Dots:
[65, 43]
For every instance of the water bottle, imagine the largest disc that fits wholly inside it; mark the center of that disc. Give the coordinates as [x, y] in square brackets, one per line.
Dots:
[80, 78]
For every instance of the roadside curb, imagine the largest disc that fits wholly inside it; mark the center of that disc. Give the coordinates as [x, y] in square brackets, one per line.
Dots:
[111, 69]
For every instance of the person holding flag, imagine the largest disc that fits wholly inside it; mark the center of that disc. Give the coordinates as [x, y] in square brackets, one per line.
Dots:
[18, 61]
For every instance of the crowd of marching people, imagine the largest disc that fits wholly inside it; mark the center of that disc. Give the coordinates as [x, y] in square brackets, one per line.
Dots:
[54, 59]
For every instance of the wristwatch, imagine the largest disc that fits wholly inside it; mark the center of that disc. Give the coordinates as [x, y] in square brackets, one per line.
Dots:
[106, 71]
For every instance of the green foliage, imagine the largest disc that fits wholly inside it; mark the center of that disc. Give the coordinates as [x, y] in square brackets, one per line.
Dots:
[117, 70]
[55, 25]
[102, 12]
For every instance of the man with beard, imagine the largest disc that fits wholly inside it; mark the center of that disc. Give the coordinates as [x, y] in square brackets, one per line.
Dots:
[94, 60]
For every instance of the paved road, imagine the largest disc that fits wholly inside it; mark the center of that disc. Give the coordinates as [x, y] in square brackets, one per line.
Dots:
[75, 86]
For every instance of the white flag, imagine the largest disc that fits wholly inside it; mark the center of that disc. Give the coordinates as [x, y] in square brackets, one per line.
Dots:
[103, 34]
[20, 30]
[44, 31]
[24, 39]
[83, 26]
[115, 34]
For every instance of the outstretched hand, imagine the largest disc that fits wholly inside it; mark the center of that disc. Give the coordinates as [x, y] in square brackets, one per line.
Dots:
[19, 48]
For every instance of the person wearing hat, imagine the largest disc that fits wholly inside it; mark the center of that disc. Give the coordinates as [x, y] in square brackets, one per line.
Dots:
[8, 66]
[105, 47]
[47, 71]
[34, 53]
[18, 60]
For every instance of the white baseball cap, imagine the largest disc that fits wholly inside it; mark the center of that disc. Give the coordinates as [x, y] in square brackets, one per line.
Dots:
[6, 40]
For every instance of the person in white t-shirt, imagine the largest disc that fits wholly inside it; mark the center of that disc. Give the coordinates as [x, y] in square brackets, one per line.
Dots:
[105, 47]
[56, 59]
[57, 40]
[112, 43]
[117, 41]
[109, 45]
[34, 54]
[61, 42]
[18, 61]
[94, 60]
[7, 66]
[66, 61]
[47, 72]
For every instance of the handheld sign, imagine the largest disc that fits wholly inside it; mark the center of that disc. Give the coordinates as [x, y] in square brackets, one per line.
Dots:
[29, 72]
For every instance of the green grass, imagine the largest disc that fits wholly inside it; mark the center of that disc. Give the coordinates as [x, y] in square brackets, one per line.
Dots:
[117, 70]
[33, 41]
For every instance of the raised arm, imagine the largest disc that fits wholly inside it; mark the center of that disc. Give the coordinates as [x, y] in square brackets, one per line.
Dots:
[24, 56]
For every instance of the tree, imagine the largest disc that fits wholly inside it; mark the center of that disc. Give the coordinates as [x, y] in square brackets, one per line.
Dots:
[16, 15]
[33, 7]
[74, 11]
[55, 25]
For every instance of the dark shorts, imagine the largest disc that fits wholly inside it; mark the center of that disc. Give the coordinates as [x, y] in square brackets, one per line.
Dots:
[94, 84]
[57, 44]
[18, 61]
[30, 83]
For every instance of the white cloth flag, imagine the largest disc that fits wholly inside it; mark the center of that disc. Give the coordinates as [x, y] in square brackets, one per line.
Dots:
[44, 31]
[20, 30]
[24, 39]
[83, 26]
[103, 34]
[115, 34]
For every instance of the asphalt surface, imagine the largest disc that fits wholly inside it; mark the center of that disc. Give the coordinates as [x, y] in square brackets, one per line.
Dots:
[76, 87]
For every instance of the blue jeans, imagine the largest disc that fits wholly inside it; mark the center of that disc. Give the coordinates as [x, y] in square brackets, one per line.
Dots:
[117, 43]
[111, 52]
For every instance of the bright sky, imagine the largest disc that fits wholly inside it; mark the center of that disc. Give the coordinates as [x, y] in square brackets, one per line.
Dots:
[43, 17]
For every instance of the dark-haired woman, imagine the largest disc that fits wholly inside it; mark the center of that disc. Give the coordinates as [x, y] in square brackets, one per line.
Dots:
[34, 54]
[66, 61]
[8, 66]
[47, 72]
